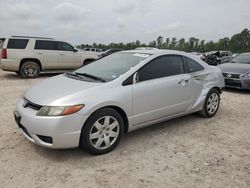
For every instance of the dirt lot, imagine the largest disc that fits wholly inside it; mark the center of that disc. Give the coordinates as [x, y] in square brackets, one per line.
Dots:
[186, 152]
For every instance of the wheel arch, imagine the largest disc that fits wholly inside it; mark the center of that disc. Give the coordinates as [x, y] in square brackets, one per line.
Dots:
[217, 88]
[119, 110]
[30, 59]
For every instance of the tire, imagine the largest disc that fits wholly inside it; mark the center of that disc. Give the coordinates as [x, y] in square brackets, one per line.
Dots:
[106, 128]
[211, 104]
[30, 69]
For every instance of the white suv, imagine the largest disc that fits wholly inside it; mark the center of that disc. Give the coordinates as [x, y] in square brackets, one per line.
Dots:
[28, 56]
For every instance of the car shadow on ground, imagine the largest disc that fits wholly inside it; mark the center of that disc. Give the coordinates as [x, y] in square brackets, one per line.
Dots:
[132, 138]
[14, 76]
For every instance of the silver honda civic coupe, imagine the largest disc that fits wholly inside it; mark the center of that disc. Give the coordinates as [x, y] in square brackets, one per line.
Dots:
[95, 105]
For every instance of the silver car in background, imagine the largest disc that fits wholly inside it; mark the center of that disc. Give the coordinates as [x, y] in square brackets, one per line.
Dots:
[93, 106]
[237, 72]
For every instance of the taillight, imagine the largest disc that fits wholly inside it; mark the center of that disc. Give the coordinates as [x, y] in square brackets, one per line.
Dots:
[4, 53]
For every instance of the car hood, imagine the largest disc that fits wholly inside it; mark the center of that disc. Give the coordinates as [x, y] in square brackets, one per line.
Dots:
[235, 68]
[59, 90]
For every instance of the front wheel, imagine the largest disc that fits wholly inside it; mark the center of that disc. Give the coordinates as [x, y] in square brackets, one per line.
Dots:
[102, 131]
[211, 104]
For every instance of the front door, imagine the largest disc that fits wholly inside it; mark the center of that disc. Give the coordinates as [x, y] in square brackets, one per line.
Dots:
[46, 52]
[162, 90]
[68, 58]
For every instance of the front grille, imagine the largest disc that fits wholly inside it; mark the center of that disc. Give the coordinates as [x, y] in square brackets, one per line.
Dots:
[29, 104]
[231, 75]
[233, 83]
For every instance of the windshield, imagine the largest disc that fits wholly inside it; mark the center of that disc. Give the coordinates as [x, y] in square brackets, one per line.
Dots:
[242, 58]
[111, 67]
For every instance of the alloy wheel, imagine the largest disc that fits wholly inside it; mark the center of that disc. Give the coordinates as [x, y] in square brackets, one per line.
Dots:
[30, 70]
[213, 103]
[104, 132]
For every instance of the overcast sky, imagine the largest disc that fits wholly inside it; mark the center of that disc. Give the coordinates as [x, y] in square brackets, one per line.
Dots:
[105, 21]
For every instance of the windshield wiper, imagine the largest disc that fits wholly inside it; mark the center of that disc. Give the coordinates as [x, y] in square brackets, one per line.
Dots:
[90, 76]
[74, 75]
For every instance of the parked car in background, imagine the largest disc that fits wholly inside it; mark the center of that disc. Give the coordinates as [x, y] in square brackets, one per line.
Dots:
[237, 72]
[28, 56]
[96, 50]
[199, 55]
[146, 48]
[95, 105]
[218, 57]
[235, 54]
[110, 51]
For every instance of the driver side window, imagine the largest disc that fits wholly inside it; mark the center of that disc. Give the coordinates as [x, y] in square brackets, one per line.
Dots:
[163, 66]
[63, 46]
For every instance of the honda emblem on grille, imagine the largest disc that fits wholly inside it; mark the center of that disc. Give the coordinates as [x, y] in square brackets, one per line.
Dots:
[25, 103]
[229, 75]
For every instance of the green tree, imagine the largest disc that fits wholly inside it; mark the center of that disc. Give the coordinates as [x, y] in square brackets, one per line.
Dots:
[182, 44]
[153, 44]
[240, 42]
[160, 42]
[173, 43]
[166, 44]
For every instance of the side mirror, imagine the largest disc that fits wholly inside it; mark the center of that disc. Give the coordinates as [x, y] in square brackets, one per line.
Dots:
[136, 78]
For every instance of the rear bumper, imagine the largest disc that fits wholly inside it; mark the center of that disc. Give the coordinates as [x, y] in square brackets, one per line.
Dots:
[50, 132]
[9, 65]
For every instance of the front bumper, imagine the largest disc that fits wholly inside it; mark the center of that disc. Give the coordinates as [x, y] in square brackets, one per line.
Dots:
[51, 132]
[237, 82]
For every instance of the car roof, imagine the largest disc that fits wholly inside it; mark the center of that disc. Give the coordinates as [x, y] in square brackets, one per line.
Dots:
[157, 52]
[27, 37]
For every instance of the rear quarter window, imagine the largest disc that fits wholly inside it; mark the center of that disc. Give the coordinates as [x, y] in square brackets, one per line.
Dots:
[17, 43]
[192, 65]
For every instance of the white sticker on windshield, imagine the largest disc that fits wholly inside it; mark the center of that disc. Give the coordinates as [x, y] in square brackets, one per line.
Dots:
[142, 55]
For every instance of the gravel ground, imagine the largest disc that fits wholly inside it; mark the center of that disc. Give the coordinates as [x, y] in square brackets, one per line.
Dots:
[185, 152]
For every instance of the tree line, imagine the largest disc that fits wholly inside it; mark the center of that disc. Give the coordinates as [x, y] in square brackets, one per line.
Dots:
[238, 43]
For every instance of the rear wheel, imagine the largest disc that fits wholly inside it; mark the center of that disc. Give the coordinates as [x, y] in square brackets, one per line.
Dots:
[102, 131]
[30, 69]
[211, 104]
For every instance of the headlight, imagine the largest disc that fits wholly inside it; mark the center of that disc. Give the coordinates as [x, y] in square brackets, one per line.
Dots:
[247, 75]
[59, 110]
